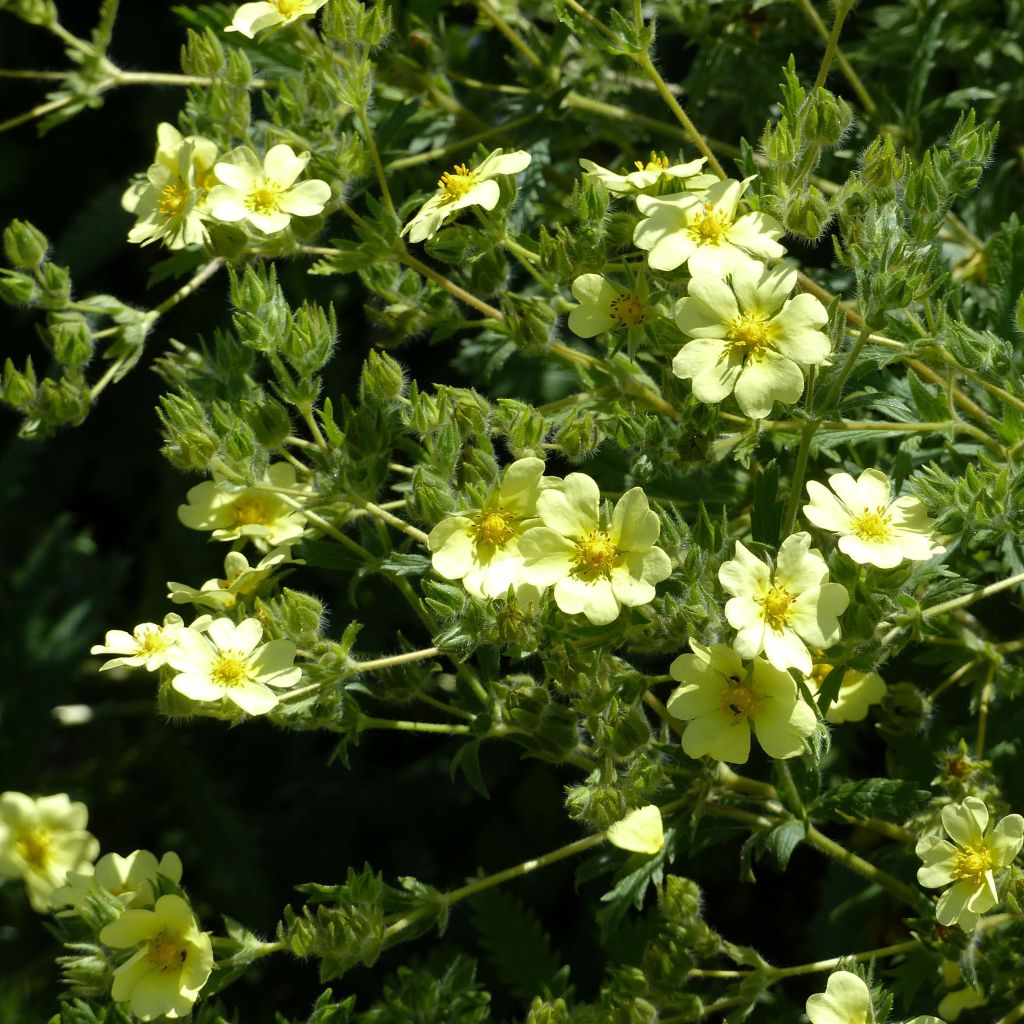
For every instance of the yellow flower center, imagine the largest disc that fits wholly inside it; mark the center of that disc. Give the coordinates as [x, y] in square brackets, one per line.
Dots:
[251, 510]
[628, 310]
[166, 952]
[35, 847]
[750, 335]
[776, 604]
[709, 227]
[229, 670]
[492, 527]
[152, 641]
[172, 199]
[455, 184]
[595, 556]
[972, 864]
[738, 700]
[819, 673]
[263, 199]
[872, 525]
[656, 163]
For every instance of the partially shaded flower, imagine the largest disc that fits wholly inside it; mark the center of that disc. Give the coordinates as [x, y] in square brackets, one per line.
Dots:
[228, 661]
[133, 880]
[173, 962]
[957, 1000]
[481, 548]
[781, 609]
[265, 195]
[252, 18]
[240, 580]
[858, 691]
[650, 174]
[257, 513]
[724, 700]
[969, 863]
[604, 306]
[748, 337]
[41, 840]
[145, 647]
[640, 831]
[705, 233]
[595, 567]
[463, 187]
[846, 1000]
[872, 528]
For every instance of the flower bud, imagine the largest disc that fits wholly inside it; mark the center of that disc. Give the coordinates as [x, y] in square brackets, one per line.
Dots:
[578, 436]
[71, 339]
[808, 214]
[24, 245]
[16, 288]
[382, 380]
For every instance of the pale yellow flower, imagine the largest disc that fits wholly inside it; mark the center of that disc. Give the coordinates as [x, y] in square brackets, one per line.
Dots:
[857, 692]
[240, 580]
[640, 831]
[780, 609]
[968, 864]
[133, 880]
[252, 18]
[604, 306]
[957, 1000]
[145, 647]
[594, 566]
[233, 512]
[463, 187]
[165, 975]
[723, 700]
[872, 528]
[41, 840]
[228, 661]
[481, 547]
[654, 172]
[846, 1000]
[265, 195]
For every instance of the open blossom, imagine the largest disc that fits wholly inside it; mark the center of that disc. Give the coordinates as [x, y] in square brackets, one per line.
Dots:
[969, 863]
[164, 976]
[748, 337]
[858, 691]
[481, 548]
[595, 567]
[846, 1000]
[265, 195]
[170, 205]
[252, 18]
[133, 879]
[956, 1000]
[41, 840]
[232, 513]
[228, 661]
[782, 609]
[705, 232]
[640, 831]
[240, 580]
[462, 187]
[653, 172]
[604, 306]
[723, 701]
[146, 646]
[872, 528]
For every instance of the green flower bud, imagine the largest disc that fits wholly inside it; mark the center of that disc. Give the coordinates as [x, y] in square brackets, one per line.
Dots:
[382, 380]
[826, 118]
[579, 436]
[35, 12]
[25, 245]
[19, 389]
[268, 420]
[70, 339]
[880, 166]
[779, 145]
[808, 214]
[528, 319]
[16, 289]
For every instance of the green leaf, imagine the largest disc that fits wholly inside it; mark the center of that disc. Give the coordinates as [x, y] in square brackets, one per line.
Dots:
[889, 799]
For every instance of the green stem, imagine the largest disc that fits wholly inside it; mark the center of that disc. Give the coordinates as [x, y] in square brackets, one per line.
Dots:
[509, 33]
[847, 368]
[797, 482]
[398, 524]
[832, 43]
[1016, 1014]
[976, 595]
[38, 111]
[395, 659]
[378, 167]
[402, 726]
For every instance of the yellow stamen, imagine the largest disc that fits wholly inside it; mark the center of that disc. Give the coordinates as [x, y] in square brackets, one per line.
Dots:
[455, 184]
[972, 864]
[153, 641]
[709, 227]
[492, 527]
[264, 199]
[872, 525]
[750, 336]
[595, 556]
[776, 604]
[172, 199]
[628, 310]
[251, 510]
[166, 952]
[656, 163]
[738, 700]
[35, 847]
[229, 670]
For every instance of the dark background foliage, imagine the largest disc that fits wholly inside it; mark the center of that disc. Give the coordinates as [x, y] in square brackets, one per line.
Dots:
[89, 536]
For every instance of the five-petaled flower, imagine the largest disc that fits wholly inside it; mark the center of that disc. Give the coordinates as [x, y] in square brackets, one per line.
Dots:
[604, 306]
[164, 976]
[254, 17]
[228, 661]
[654, 172]
[265, 195]
[240, 580]
[872, 528]
[968, 864]
[258, 513]
[146, 646]
[464, 186]
[41, 840]
[723, 700]
[594, 566]
[846, 1000]
[170, 205]
[857, 692]
[705, 232]
[481, 547]
[748, 337]
[782, 609]
[133, 880]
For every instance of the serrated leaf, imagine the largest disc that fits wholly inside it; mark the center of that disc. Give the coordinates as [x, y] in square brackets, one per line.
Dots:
[889, 799]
